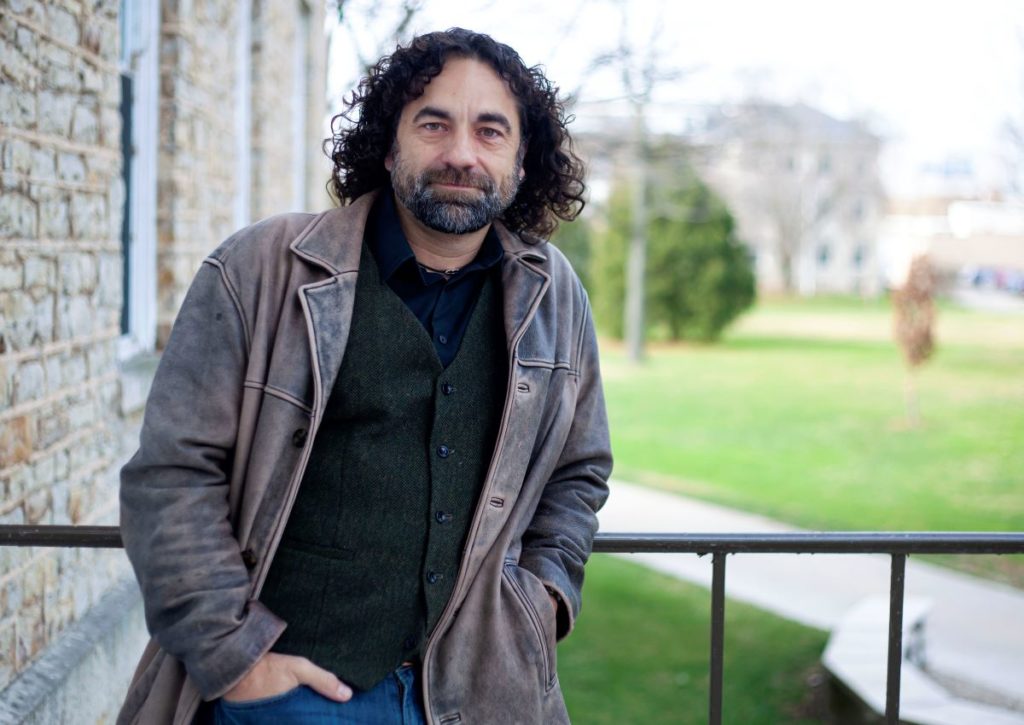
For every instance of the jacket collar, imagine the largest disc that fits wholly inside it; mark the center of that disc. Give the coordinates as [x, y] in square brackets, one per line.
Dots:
[335, 238]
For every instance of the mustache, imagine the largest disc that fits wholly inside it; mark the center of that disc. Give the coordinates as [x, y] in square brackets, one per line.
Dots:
[459, 178]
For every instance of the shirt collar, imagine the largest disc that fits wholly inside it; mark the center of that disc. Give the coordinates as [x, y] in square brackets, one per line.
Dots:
[392, 251]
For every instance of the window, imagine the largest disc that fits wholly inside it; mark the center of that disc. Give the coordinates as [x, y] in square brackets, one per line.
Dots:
[139, 114]
[824, 255]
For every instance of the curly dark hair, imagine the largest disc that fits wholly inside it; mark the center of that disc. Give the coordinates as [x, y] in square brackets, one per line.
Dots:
[363, 134]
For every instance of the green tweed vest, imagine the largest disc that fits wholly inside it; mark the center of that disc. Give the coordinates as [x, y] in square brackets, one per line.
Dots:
[373, 544]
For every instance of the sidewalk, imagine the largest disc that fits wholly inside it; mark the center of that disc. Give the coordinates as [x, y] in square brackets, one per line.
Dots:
[974, 632]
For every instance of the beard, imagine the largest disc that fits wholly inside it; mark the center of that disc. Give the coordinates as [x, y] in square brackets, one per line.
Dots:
[448, 210]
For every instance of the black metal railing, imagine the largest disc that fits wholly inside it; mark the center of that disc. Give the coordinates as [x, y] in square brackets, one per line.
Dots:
[898, 545]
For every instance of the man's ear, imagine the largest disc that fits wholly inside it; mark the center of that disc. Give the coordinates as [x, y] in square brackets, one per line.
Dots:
[389, 160]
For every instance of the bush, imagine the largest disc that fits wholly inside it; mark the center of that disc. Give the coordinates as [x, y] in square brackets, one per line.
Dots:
[698, 275]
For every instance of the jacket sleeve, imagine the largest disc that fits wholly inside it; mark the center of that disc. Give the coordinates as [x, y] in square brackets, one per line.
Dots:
[559, 539]
[174, 496]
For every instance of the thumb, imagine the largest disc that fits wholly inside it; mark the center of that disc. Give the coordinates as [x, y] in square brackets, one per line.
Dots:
[324, 682]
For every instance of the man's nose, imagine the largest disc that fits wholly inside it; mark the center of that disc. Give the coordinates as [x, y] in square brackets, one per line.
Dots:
[460, 151]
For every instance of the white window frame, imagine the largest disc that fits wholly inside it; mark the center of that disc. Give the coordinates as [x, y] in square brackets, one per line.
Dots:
[140, 57]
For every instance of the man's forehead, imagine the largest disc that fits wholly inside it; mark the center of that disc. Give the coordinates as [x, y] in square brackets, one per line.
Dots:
[451, 87]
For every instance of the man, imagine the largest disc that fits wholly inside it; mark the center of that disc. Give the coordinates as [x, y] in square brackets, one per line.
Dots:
[376, 443]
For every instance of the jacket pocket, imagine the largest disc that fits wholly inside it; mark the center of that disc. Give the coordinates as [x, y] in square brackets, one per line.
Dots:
[511, 573]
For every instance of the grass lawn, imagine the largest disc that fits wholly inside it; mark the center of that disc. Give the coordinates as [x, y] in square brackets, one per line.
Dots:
[640, 652]
[798, 414]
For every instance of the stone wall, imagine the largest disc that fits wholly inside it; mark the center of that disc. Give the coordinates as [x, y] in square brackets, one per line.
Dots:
[70, 408]
[60, 294]
[281, 41]
[197, 159]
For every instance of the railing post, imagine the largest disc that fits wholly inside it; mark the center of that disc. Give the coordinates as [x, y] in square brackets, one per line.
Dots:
[717, 637]
[892, 684]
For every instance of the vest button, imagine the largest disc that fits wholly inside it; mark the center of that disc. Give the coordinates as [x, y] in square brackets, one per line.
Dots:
[447, 388]
[444, 451]
[299, 438]
[433, 577]
[443, 517]
[443, 339]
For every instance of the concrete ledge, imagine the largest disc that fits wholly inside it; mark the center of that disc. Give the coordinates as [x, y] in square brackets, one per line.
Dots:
[856, 655]
[83, 676]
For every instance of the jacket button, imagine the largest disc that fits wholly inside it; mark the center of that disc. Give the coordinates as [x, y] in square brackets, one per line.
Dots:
[299, 438]
[249, 558]
[433, 577]
[447, 388]
[444, 451]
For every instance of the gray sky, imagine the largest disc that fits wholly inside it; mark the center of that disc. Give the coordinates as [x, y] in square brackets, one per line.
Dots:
[937, 78]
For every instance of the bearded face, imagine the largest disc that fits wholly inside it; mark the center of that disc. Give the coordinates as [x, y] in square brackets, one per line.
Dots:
[430, 196]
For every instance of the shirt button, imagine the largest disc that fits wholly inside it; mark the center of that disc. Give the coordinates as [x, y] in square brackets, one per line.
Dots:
[433, 577]
[447, 388]
[443, 517]
[444, 451]
[299, 438]
[443, 339]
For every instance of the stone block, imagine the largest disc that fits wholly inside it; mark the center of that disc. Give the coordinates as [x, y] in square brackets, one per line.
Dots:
[10, 274]
[37, 508]
[20, 327]
[43, 312]
[59, 492]
[17, 67]
[18, 156]
[77, 503]
[84, 123]
[74, 369]
[43, 163]
[77, 313]
[17, 216]
[55, 110]
[110, 128]
[8, 657]
[63, 26]
[31, 633]
[71, 167]
[26, 41]
[82, 415]
[39, 272]
[55, 216]
[92, 79]
[54, 377]
[16, 441]
[51, 427]
[110, 280]
[17, 108]
[88, 272]
[70, 274]
[88, 216]
[43, 471]
[30, 382]
[62, 79]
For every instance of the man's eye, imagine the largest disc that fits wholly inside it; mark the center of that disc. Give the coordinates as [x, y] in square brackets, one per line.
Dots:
[490, 133]
[432, 126]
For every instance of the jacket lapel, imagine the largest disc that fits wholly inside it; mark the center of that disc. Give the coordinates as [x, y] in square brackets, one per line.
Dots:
[334, 243]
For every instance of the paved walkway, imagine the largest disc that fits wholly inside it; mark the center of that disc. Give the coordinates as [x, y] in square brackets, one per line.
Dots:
[974, 632]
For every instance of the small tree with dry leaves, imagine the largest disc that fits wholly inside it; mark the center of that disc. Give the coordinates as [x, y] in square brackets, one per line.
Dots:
[914, 320]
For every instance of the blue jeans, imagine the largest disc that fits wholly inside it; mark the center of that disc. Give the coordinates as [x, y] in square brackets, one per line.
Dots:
[396, 700]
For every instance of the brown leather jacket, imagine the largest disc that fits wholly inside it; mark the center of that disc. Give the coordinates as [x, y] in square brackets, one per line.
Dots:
[228, 429]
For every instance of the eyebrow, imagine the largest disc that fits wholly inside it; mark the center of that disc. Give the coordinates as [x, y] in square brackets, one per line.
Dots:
[488, 117]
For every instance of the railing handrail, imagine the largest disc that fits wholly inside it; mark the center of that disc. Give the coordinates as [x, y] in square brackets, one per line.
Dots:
[896, 544]
[822, 542]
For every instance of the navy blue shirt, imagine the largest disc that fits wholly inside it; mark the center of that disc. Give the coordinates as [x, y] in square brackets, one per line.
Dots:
[442, 306]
